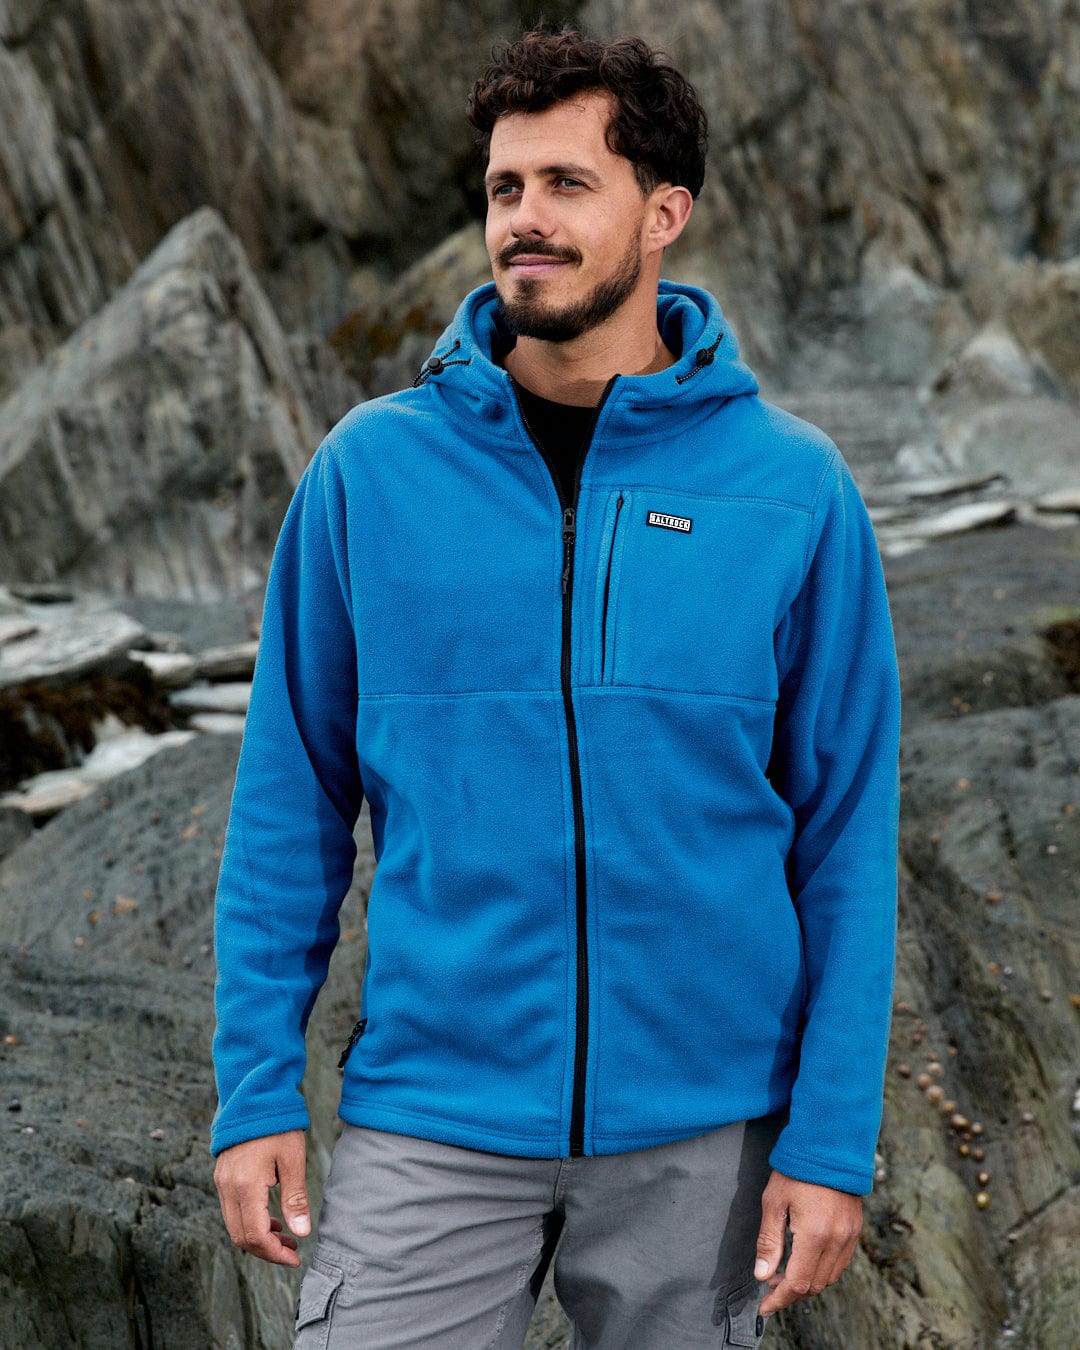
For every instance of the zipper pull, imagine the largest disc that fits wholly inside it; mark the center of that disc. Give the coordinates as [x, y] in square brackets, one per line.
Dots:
[568, 544]
[354, 1036]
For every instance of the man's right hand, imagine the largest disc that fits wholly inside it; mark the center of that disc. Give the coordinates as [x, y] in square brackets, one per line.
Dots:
[243, 1176]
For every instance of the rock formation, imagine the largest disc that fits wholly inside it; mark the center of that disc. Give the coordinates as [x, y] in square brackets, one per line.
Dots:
[220, 224]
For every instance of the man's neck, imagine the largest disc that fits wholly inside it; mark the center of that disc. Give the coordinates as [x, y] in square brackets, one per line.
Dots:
[577, 372]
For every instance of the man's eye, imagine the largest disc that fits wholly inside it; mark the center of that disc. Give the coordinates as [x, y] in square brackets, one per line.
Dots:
[503, 189]
[570, 182]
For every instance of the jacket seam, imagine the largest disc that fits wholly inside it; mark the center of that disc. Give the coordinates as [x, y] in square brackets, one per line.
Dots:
[830, 463]
[797, 1156]
[599, 486]
[452, 1126]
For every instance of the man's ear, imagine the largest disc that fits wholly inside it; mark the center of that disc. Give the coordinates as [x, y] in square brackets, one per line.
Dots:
[671, 207]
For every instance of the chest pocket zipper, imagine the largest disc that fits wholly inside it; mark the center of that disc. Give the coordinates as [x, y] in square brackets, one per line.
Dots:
[607, 617]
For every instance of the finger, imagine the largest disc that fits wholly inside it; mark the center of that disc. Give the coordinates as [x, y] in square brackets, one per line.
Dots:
[283, 1236]
[291, 1166]
[770, 1239]
[812, 1257]
[258, 1236]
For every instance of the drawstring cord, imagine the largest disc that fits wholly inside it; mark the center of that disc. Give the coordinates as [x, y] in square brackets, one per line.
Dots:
[705, 357]
[436, 364]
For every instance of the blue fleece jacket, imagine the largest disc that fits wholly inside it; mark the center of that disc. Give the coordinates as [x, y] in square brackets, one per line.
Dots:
[631, 763]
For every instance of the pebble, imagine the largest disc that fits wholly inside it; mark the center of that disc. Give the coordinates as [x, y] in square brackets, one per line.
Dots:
[976, 1127]
[959, 1122]
[157, 1134]
[982, 1199]
[983, 1178]
[963, 1149]
[935, 1094]
[924, 1080]
[948, 1106]
[935, 1068]
[904, 1070]
[14, 1106]
[1045, 995]
[1027, 1117]
[978, 1154]
[12, 1039]
[28, 1129]
[993, 897]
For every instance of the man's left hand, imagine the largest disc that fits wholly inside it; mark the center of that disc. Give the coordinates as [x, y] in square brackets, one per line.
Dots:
[825, 1226]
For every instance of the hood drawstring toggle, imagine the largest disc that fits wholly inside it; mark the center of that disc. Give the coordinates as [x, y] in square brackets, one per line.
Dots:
[705, 357]
[437, 363]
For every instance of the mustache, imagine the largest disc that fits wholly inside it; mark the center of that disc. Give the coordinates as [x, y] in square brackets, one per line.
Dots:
[537, 249]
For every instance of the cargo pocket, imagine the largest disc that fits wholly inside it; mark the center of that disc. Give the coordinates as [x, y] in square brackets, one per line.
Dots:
[745, 1325]
[315, 1306]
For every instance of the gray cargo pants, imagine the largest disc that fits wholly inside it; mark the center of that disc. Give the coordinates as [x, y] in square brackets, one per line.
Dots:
[434, 1247]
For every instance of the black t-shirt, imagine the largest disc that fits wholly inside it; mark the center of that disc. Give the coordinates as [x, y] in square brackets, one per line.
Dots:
[560, 429]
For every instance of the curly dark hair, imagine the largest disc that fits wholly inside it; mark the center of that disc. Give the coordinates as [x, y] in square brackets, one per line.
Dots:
[657, 123]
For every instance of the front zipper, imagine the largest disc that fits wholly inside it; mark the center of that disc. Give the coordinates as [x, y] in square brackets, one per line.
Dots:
[607, 591]
[569, 533]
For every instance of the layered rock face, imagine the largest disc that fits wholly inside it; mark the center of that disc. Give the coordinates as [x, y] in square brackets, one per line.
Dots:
[221, 224]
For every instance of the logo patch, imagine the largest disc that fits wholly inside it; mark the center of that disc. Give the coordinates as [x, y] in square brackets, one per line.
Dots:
[667, 522]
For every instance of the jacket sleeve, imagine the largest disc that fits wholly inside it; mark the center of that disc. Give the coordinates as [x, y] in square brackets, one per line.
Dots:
[289, 851]
[836, 762]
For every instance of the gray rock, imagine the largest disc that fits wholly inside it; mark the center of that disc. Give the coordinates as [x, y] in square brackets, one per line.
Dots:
[157, 449]
[80, 640]
[229, 697]
[15, 827]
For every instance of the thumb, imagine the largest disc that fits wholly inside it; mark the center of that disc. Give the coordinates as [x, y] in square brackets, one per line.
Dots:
[294, 1199]
[770, 1240]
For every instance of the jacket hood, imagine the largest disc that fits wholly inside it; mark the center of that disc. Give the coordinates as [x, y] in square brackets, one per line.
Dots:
[462, 371]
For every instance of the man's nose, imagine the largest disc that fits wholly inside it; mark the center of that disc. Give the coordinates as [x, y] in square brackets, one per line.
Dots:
[531, 216]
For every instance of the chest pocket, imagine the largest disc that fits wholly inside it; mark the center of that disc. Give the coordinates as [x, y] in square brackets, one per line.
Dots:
[691, 588]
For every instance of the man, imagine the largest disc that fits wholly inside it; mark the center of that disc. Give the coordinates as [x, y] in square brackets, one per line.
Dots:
[603, 637]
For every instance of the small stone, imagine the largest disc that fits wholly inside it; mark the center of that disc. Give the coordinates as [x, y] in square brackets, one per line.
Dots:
[198, 811]
[1046, 995]
[880, 1174]
[948, 1106]
[1027, 1117]
[917, 1037]
[982, 1199]
[963, 1149]
[80, 1123]
[976, 1127]
[978, 1154]
[1074, 999]
[1006, 970]
[962, 784]
[14, 1106]
[954, 1050]
[124, 904]
[80, 941]
[924, 1080]
[903, 1008]
[88, 894]
[993, 897]
[12, 1039]
[958, 1121]
[157, 1134]
[934, 1067]
[28, 1129]
[983, 1178]
[904, 1070]
[993, 968]
[935, 1094]
[1051, 848]
[93, 917]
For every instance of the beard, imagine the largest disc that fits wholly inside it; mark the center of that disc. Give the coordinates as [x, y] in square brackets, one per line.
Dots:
[526, 315]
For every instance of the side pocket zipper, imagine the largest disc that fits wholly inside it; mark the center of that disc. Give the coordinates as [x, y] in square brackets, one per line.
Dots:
[354, 1036]
[607, 592]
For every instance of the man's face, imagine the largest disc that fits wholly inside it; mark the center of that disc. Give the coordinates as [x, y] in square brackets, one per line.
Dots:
[564, 220]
